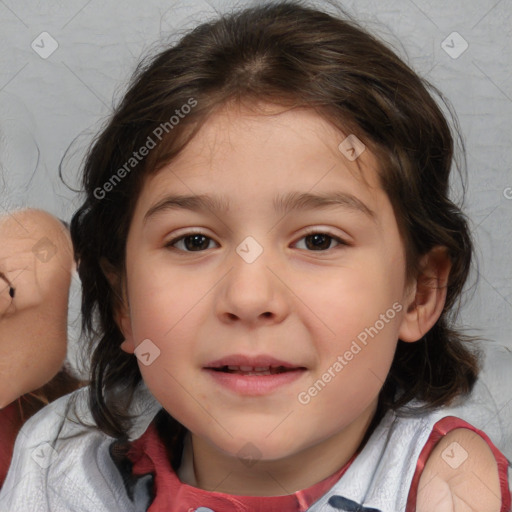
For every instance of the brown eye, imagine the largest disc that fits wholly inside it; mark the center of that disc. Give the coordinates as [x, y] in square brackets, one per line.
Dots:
[320, 242]
[192, 242]
[197, 242]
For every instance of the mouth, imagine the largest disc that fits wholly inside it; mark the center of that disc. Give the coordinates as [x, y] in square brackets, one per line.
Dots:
[257, 365]
[253, 376]
[255, 381]
[254, 370]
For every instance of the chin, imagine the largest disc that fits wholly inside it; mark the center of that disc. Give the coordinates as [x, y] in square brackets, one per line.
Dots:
[256, 447]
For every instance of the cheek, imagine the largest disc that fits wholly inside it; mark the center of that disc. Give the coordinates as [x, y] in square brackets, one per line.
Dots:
[357, 318]
[160, 299]
[346, 301]
[351, 372]
[170, 378]
[167, 311]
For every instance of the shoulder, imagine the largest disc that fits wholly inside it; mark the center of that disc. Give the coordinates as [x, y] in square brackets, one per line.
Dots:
[40, 434]
[62, 462]
[50, 424]
[45, 455]
[460, 472]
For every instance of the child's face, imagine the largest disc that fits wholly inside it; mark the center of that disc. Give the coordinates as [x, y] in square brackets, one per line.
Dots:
[332, 309]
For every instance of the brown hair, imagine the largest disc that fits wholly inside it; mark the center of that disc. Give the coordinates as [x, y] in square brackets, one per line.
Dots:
[292, 55]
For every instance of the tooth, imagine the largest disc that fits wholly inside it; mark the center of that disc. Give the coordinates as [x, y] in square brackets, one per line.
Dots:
[246, 368]
[261, 368]
[233, 367]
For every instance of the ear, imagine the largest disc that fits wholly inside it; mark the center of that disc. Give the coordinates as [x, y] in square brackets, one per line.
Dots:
[427, 296]
[121, 307]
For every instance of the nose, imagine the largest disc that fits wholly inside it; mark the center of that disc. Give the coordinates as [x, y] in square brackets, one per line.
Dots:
[252, 292]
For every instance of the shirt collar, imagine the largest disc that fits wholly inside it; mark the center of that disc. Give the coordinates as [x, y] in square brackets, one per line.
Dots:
[148, 455]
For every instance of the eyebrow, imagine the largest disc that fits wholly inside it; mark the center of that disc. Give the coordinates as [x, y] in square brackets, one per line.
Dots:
[283, 204]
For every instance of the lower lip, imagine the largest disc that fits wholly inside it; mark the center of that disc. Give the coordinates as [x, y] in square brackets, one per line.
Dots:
[255, 385]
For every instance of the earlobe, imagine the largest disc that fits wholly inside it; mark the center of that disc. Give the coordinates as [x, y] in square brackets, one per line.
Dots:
[428, 295]
[128, 346]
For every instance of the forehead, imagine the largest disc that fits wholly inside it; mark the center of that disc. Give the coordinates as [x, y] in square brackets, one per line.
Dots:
[265, 149]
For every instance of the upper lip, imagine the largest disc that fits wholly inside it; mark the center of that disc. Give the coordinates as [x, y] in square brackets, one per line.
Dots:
[259, 361]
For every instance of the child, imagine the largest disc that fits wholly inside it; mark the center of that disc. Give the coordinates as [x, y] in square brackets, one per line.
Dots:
[36, 261]
[301, 357]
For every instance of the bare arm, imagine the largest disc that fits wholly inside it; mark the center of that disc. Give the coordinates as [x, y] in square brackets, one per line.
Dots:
[461, 475]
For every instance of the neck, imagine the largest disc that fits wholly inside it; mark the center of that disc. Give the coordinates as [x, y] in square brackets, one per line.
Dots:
[207, 468]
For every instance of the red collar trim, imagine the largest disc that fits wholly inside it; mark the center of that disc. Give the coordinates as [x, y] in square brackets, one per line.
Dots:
[148, 455]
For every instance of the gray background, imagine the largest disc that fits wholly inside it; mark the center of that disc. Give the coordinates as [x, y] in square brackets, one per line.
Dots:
[46, 103]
